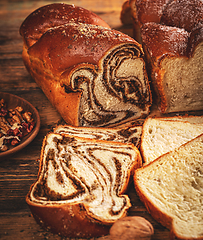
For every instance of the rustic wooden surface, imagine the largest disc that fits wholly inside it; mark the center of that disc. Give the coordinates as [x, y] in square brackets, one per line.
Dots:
[18, 172]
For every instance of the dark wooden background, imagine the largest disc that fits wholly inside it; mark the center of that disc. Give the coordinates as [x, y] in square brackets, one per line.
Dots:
[18, 172]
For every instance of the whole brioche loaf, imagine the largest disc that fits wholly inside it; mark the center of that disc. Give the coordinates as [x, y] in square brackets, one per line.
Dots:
[171, 188]
[93, 75]
[81, 184]
[171, 32]
[161, 135]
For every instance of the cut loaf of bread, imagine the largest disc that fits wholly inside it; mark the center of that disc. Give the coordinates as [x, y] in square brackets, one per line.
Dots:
[175, 67]
[171, 32]
[161, 135]
[124, 135]
[81, 183]
[171, 188]
[93, 75]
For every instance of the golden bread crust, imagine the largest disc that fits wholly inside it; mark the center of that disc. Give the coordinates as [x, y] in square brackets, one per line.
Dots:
[53, 15]
[69, 220]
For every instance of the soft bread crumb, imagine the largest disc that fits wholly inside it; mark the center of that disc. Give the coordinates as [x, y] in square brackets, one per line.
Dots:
[161, 136]
[172, 186]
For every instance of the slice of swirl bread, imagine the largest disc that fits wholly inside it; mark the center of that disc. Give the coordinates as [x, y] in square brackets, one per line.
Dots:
[160, 136]
[81, 183]
[171, 187]
[124, 134]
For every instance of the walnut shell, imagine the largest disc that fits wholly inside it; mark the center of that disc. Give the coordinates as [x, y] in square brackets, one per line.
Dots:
[131, 227]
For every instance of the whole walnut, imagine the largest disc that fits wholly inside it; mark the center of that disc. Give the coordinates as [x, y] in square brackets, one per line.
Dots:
[131, 227]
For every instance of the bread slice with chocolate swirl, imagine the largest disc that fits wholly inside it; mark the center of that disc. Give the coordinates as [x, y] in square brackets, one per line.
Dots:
[93, 75]
[128, 134]
[81, 184]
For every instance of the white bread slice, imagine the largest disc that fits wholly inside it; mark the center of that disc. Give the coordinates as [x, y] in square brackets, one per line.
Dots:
[81, 183]
[160, 136]
[171, 188]
[131, 134]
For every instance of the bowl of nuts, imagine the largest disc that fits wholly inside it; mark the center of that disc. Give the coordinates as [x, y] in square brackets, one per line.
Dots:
[19, 124]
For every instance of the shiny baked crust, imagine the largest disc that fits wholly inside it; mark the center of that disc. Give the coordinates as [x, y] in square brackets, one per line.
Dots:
[53, 15]
[93, 75]
[147, 10]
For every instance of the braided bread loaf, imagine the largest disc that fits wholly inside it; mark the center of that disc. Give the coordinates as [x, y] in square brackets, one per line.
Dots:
[93, 75]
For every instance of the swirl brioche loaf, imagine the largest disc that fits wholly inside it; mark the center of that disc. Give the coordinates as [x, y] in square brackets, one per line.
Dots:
[171, 32]
[81, 183]
[93, 75]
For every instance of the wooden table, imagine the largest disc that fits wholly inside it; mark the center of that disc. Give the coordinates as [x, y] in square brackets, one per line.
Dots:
[18, 172]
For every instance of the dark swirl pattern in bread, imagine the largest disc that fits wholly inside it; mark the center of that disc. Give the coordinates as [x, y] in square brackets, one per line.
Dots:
[81, 182]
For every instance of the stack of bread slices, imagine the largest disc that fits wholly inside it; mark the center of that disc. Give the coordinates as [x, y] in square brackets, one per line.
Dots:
[170, 183]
